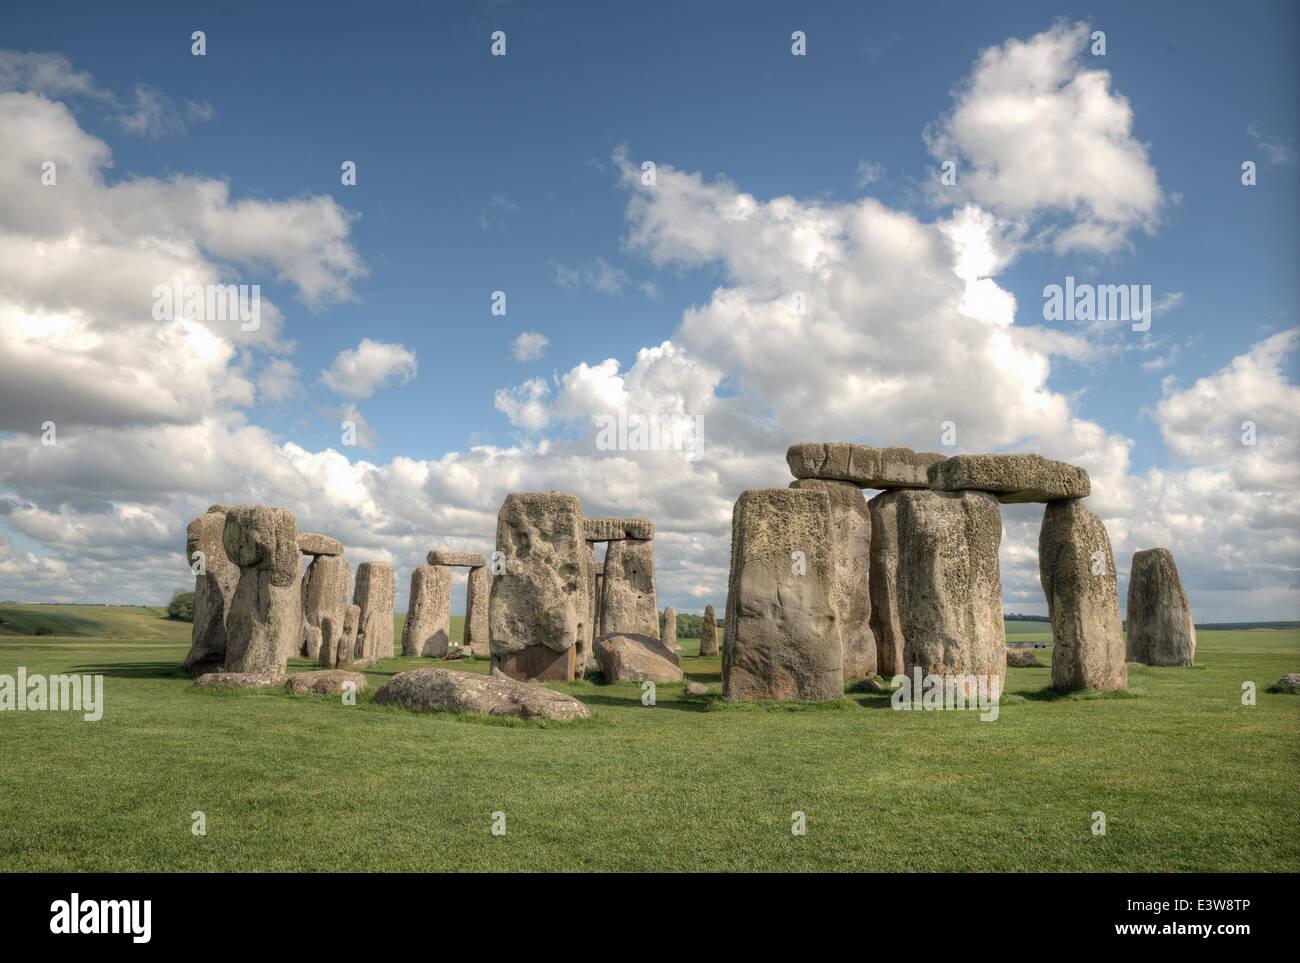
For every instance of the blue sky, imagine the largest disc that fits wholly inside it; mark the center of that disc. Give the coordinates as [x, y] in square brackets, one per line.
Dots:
[478, 173]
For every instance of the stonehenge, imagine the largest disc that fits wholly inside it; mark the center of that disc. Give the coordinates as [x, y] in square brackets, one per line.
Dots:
[214, 588]
[886, 624]
[477, 589]
[263, 625]
[326, 588]
[629, 602]
[668, 628]
[374, 596]
[709, 632]
[427, 630]
[1160, 629]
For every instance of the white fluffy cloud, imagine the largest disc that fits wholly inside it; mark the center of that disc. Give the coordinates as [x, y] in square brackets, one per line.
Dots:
[361, 371]
[529, 346]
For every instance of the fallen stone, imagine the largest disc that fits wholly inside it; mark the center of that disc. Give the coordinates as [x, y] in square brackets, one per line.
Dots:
[264, 623]
[309, 543]
[1013, 478]
[867, 685]
[457, 652]
[427, 629]
[696, 689]
[1022, 658]
[636, 658]
[214, 588]
[668, 628]
[630, 603]
[326, 587]
[1160, 629]
[851, 553]
[709, 633]
[432, 689]
[949, 586]
[886, 621]
[463, 559]
[324, 682]
[478, 588]
[242, 680]
[1077, 571]
[538, 608]
[1289, 684]
[374, 595]
[862, 465]
[612, 529]
[782, 624]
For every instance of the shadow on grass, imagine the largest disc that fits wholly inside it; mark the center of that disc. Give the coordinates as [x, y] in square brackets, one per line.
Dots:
[1048, 694]
[633, 700]
[135, 670]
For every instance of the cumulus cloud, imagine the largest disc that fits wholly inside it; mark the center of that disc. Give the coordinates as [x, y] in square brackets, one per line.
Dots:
[529, 346]
[361, 371]
[597, 274]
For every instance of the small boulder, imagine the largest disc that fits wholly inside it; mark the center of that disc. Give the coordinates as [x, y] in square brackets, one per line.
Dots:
[636, 658]
[868, 685]
[1021, 658]
[1289, 683]
[324, 682]
[433, 689]
[242, 680]
[696, 689]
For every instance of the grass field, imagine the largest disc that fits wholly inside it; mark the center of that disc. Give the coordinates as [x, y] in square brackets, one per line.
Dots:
[1188, 777]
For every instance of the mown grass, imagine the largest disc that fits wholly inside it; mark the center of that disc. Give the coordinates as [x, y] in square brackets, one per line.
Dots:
[137, 622]
[1188, 777]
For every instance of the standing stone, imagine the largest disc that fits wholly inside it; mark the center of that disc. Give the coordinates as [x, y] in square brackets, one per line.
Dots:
[427, 630]
[326, 588]
[886, 623]
[851, 550]
[538, 609]
[600, 593]
[1077, 570]
[1160, 629]
[668, 629]
[593, 609]
[264, 623]
[347, 642]
[949, 585]
[709, 632]
[374, 595]
[477, 589]
[782, 624]
[630, 605]
[214, 587]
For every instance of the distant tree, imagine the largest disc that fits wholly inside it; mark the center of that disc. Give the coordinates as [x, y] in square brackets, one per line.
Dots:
[181, 607]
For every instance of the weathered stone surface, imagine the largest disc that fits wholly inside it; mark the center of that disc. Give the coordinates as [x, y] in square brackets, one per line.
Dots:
[457, 652]
[309, 543]
[630, 603]
[862, 465]
[592, 582]
[242, 680]
[264, 623]
[326, 588]
[782, 635]
[346, 645]
[374, 595]
[610, 529]
[214, 588]
[1013, 478]
[949, 586]
[462, 559]
[867, 685]
[1077, 571]
[1160, 629]
[427, 630]
[696, 689]
[1289, 684]
[324, 682]
[431, 689]
[709, 632]
[636, 658]
[886, 620]
[540, 601]
[668, 628]
[851, 551]
[478, 588]
[1025, 659]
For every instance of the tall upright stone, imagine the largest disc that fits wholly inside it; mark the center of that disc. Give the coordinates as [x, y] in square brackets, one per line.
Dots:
[326, 589]
[427, 630]
[630, 604]
[538, 609]
[1160, 629]
[949, 585]
[374, 596]
[1077, 569]
[215, 578]
[668, 628]
[263, 626]
[709, 632]
[477, 590]
[782, 622]
[851, 550]
[886, 621]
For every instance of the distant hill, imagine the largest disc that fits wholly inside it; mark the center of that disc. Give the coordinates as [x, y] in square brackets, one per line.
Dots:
[144, 623]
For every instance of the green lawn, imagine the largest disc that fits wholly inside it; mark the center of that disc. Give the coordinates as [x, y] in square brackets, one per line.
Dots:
[1188, 777]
